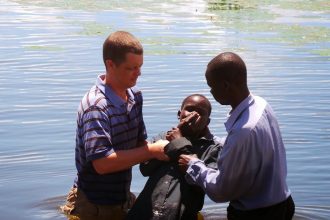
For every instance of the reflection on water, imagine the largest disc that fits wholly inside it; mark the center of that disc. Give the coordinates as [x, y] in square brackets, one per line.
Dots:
[51, 54]
[49, 208]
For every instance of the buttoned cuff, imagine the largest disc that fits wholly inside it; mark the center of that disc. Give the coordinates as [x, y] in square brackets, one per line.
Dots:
[194, 170]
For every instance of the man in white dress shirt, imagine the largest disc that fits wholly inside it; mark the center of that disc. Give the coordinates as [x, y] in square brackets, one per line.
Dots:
[252, 167]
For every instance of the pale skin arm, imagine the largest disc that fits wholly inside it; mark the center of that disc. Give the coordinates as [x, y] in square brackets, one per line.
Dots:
[125, 159]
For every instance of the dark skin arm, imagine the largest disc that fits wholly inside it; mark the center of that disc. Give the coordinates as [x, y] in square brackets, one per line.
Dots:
[185, 126]
[184, 161]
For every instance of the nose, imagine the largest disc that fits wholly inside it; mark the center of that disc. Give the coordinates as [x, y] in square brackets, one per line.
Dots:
[138, 71]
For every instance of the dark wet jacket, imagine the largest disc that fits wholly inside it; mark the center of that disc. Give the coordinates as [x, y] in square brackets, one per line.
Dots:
[167, 195]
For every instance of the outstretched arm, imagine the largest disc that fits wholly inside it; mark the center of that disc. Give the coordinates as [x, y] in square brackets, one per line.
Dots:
[232, 179]
[125, 159]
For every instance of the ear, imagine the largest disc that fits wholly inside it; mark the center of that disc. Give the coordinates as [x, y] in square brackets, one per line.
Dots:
[208, 121]
[179, 113]
[109, 64]
[226, 84]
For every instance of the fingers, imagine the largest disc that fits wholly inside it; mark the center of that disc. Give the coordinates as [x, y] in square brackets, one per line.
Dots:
[162, 142]
[199, 118]
[184, 161]
[192, 116]
[189, 120]
[173, 134]
[192, 119]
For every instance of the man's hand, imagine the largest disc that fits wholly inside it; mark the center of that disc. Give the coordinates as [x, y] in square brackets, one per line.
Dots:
[189, 124]
[184, 161]
[157, 149]
[173, 134]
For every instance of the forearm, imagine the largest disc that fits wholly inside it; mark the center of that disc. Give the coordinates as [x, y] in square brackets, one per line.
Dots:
[124, 159]
[206, 178]
[217, 186]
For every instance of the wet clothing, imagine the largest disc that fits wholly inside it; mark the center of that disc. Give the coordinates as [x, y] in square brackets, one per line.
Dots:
[281, 211]
[78, 207]
[166, 194]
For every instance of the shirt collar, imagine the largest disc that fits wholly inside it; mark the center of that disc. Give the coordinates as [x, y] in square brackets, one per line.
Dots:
[208, 136]
[234, 115]
[111, 95]
[130, 100]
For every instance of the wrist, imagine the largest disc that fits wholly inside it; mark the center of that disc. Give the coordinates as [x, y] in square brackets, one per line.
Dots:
[153, 148]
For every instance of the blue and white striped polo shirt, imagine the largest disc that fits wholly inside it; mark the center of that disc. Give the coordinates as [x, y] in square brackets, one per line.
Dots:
[105, 124]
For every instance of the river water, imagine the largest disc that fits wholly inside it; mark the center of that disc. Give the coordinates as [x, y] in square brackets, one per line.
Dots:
[51, 53]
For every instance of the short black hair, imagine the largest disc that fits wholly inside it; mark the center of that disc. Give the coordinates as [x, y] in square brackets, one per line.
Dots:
[207, 102]
[230, 66]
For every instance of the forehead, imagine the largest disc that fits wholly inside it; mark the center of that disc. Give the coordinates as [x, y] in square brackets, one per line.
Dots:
[196, 102]
[214, 79]
[134, 59]
[209, 75]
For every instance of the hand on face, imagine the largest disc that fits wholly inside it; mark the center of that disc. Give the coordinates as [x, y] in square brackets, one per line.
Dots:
[190, 125]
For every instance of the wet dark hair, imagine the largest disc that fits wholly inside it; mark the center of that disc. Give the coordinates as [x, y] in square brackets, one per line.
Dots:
[118, 44]
[206, 100]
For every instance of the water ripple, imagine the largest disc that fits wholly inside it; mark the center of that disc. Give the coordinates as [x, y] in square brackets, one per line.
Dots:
[218, 212]
[51, 55]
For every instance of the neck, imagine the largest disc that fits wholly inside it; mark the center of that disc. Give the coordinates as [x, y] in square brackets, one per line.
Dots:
[120, 91]
[204, 133]
[239, 98]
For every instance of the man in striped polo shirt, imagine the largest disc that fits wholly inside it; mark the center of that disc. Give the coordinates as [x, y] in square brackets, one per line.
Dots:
[111, 135]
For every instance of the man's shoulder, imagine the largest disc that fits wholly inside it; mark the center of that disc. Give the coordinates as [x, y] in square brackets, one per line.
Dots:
[260, 105]
[93, 98]
[219, 140]
[250, 118]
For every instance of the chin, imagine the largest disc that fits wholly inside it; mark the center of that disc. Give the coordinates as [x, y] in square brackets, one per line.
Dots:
[132, 85]
[222, 102]
[192, 134]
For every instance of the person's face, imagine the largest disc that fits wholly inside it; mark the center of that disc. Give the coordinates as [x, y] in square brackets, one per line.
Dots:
[218, 88]
[198, 105]
[127, 72]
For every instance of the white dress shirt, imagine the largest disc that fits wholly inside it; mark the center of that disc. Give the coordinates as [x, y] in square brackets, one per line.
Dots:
[252, 164]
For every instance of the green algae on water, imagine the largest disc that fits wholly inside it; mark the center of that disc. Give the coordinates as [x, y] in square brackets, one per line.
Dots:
[43, 48]
[94, 29]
